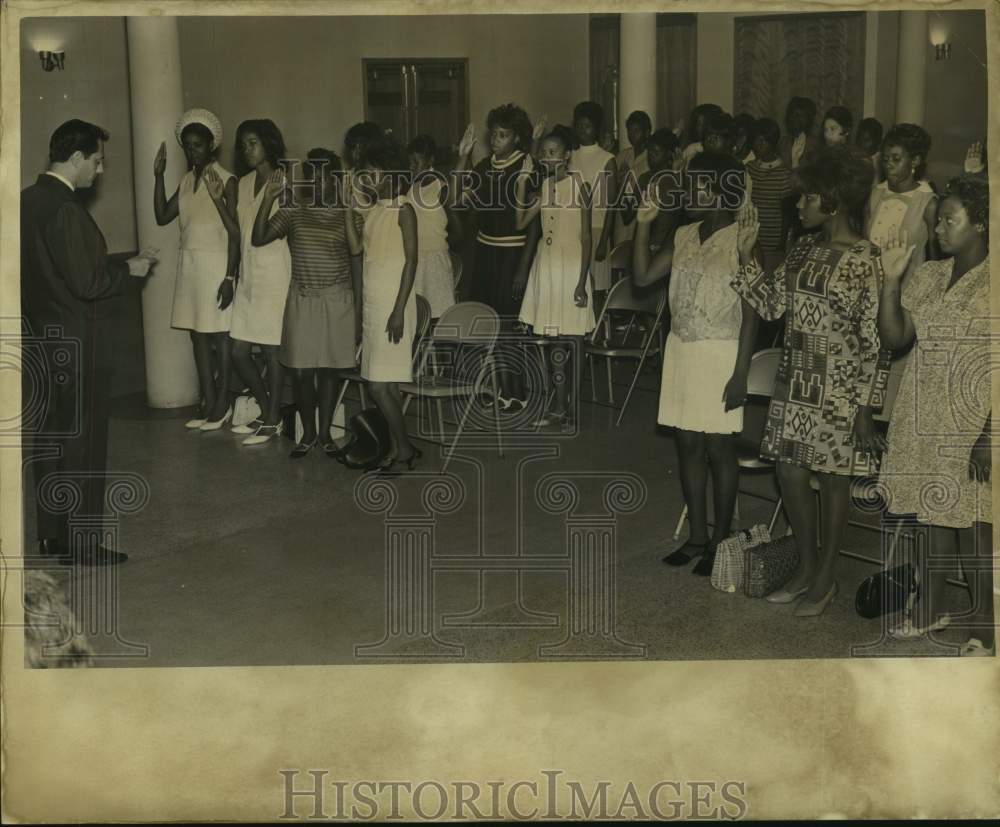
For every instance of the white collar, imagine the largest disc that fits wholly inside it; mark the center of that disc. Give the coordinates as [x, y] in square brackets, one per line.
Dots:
[66, 181]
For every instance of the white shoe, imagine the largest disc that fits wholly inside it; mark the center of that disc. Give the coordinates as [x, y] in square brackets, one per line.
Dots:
[264, 434]
[195, 423]
[218, 423]
[249, 428]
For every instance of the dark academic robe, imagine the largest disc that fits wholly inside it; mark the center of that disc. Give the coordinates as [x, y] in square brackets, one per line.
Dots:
[67, 283]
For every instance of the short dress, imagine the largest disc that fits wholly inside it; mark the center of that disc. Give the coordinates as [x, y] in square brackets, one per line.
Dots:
[831, 361]
[548, 304]
[381, 360]
[889, 211]
[319, 325]
[434, 279]
[203, 259]
[943, 400]
[705, 319]
[265, 272]
[590, 162]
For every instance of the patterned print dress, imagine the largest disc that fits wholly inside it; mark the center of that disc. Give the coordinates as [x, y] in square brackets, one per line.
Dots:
[832, 361]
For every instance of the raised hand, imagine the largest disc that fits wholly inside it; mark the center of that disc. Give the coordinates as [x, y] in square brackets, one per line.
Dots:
[798, 148]
[679, 127]
[896, 254]
[974, 159]
[275, 184]
[160, 162]
[540, 128]
[213, 181]
[468, 141]
[748, 227]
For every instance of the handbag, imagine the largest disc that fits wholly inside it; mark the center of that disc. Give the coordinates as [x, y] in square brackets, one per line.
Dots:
[371, 441]
[886, 592]
[730, 557]
[770, 566]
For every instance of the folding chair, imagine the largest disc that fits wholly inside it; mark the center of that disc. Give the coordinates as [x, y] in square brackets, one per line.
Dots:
[457, 265]
[464, 324]
[354, 376]
[621, 261]
[625, 297]
[760, 389]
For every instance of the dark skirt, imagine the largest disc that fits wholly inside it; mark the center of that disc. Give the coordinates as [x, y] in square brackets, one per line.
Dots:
[495, 270]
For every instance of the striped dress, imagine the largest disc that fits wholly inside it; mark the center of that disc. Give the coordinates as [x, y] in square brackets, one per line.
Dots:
[772, 184]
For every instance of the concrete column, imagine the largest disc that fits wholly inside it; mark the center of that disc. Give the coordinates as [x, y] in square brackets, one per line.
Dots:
[911, 67]
[637, 75]
[157, 103]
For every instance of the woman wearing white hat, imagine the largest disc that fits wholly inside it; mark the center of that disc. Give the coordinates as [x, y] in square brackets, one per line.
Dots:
[209, 257]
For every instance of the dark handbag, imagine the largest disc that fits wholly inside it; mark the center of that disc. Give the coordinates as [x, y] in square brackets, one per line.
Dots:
[770, 566]
[371, 440]
[886, 592]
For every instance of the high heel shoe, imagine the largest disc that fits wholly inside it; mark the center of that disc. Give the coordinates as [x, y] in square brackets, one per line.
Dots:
[195, 424]
[908, 630]
[301, 449]
[680, 557]
[333, 452]
[264, 434]
[218, 423]
[249, 428]
[395, 467]
[806, 609]
[785, 595]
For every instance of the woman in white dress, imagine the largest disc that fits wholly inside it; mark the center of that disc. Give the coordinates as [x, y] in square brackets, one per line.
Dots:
[262, 290]
[708, 350]
[555, 298]
[435, 280]
[389, 312]
[206, 204]
[599, 170]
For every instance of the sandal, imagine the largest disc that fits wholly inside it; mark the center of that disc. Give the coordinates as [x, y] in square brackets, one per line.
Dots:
[908, 631]
[301, 449]
[264, 434]
[974, 648]
[681, 557]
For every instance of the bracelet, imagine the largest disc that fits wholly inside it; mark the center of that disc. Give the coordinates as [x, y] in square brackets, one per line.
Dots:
[230, 278]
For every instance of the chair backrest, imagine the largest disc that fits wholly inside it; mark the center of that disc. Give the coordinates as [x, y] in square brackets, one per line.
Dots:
[763, 372]
[457, 266]
[468, 323]
[625, 296]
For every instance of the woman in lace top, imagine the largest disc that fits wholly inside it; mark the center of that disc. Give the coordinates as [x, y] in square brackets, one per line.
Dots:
[831, 376]
[708, 349]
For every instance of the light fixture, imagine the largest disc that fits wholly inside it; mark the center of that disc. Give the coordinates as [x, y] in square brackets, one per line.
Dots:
[939, 40]
[942, 51]
[52, 60]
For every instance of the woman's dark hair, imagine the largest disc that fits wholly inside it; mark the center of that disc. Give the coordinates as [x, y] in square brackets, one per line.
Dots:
[593, 112]
[914, 139]
[721, 123]
[386, 154]
[75, 135]
[565, 136]
[424, 146]
[842, 116]
[640, 119]
[665, 139]
[513, 117]
[315, 157]
[842, 178]
[269, 135]
[703, 111]
[359, 136]
[745, 123]
[727, 175]
[768, 129]
[871, 127]
[974, 193]
[800, 104]
[202, 132]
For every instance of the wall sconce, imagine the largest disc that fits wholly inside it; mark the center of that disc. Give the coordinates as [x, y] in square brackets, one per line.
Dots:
[52, 60]
[942, 51]
[939, 40]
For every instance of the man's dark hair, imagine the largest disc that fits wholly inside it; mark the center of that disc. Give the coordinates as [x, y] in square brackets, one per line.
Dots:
[75, 135]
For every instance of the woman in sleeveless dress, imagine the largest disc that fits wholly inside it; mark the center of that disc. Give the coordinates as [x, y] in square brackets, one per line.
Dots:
[206, 204]
[265, 272]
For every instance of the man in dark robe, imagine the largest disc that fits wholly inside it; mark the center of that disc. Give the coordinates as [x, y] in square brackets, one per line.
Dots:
[67, 282]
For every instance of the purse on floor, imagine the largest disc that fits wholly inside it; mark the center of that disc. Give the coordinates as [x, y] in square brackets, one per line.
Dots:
[886, 592]
[769, 566]
[730, 557]
[371, 440]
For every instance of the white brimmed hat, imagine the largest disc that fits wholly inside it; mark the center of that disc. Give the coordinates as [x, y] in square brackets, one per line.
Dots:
[206, 119]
